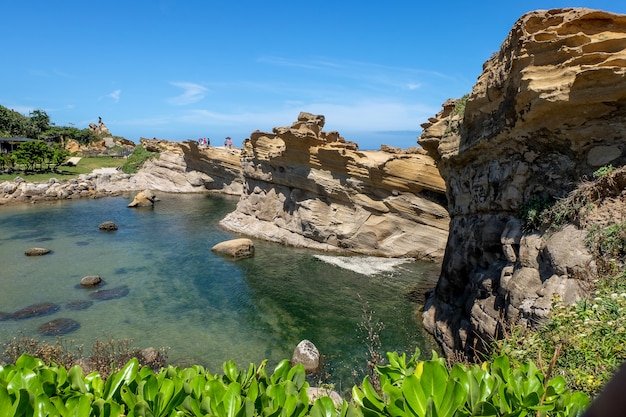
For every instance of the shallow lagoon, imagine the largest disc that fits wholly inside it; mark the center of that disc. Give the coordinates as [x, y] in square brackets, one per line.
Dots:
[205, 308]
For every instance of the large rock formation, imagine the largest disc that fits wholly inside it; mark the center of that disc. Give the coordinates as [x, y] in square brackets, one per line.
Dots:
[548, 110]
[187, 167]
[306, 187]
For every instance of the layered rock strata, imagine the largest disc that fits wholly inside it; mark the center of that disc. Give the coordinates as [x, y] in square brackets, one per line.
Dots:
[548, 110]
[311, 188]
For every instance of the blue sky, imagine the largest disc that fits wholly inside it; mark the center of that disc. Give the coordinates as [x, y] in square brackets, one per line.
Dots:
[178, 70]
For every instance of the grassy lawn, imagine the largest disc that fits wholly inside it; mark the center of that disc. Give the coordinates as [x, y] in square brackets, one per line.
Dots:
[85, 165]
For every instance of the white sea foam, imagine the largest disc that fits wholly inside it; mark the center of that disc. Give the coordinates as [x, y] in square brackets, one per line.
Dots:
[366, 265]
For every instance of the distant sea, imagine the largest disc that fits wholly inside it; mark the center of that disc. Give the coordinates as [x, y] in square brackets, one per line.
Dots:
[204, 308]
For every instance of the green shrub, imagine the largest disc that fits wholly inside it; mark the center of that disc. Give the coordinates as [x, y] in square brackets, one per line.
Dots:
[137, 159]
[409, 388]
[429, 388]
[603, 171]
[589, 338]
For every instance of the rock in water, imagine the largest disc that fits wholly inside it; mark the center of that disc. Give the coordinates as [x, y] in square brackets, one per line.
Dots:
[37, 251]
[58, 327]
[110, 294]
[35, 310]
[91, 281]
[107, 226]
[78, 304]
[144, 198]
[235, 248]
[306, 354]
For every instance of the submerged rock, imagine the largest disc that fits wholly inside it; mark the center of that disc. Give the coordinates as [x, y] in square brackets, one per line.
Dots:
[110, 294]
[107, 226]
[37, 251]
[78, 304]
[58, 327]
[36, 310]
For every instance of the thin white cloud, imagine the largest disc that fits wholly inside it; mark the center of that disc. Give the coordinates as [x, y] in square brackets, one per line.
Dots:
[192, 93]
[115, 95]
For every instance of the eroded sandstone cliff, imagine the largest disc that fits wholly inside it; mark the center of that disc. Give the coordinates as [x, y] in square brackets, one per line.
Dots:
[548, 110]
[307, 187]
[188, 167]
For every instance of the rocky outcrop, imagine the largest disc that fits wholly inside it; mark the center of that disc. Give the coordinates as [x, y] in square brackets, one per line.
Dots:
[548, 110]
[187, 167]
[310, 188]
[145, 198]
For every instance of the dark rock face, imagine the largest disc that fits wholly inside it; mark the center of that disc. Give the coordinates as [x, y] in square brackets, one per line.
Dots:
[37, 251]
[59, 327]
[110, 294]
[35, 310]
[107, 226]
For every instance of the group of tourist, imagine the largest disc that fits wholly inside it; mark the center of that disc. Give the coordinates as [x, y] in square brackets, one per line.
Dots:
[228, 142]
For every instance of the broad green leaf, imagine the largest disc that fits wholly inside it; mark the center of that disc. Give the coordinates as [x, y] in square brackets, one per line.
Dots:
[77, 380]
[414, 395]
[453, 398]
[281, 371]
[371, 398]
[434, 379]
[232, 399]
[323, 407]
[43, 407]
[231, 371]
[124, 376]
[28, 362]
[297, 374]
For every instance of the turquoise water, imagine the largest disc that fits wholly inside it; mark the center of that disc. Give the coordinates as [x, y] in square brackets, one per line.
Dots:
[204, 308]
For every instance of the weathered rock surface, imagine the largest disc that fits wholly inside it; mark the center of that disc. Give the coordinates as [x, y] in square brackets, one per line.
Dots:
[187, 167]
[235, 248]
[548, 109]
[310, 188]
[90, 281]
[307, 355]
[145, 198]
[37, 251]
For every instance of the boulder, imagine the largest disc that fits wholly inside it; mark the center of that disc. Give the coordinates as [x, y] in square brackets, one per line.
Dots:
[307, 355]
[91, 281]
[37, 251]
[107, 226]
[235, 248]
[144, 198]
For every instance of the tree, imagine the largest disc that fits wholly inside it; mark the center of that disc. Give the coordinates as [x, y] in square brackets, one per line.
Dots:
[11, 122]
[38, 123]
[32, 153]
